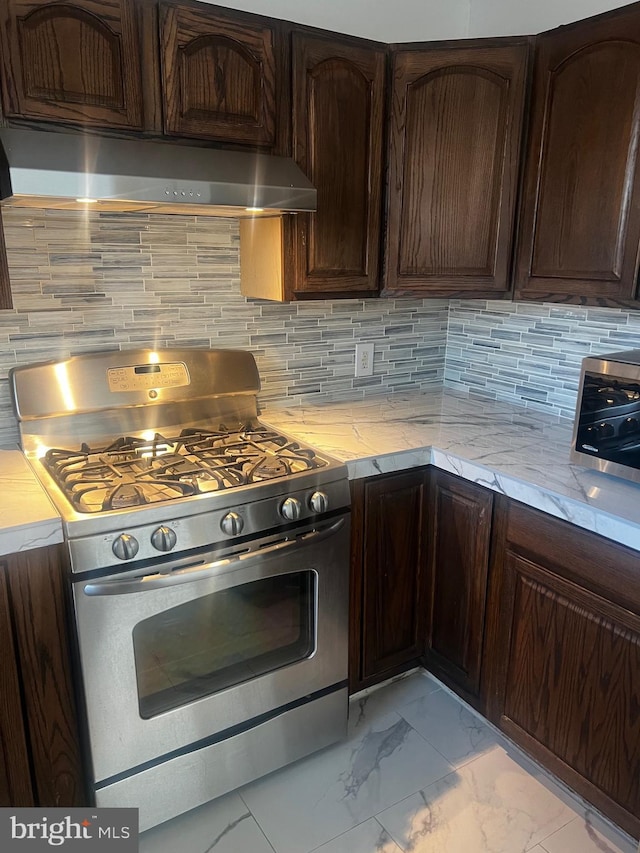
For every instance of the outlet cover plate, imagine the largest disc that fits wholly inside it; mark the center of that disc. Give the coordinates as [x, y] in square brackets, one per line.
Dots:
[364, 360]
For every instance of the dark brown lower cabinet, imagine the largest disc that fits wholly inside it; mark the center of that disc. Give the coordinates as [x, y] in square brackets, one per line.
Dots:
[39, 735]
[15, 774]
[389, 524]
[459, 537]
[562, 655]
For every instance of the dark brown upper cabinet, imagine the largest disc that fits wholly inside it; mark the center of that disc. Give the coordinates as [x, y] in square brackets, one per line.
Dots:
[454, 146]
[75, 62]
[580, 219]
[218, 75]
[338, 132]
[338, 110]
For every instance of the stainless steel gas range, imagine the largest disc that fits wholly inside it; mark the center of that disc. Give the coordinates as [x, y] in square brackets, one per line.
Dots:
[209, 567]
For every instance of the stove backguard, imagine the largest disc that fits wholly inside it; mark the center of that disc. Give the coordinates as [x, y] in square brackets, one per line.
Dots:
[95, 397]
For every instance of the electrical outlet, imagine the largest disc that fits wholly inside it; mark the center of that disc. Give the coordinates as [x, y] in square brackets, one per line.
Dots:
[364, 359]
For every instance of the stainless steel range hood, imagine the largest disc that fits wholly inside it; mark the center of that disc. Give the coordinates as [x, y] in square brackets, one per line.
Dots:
[70, 171]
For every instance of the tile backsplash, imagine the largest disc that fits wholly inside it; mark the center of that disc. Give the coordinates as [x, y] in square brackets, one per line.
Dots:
[97, 281]
[531, 353]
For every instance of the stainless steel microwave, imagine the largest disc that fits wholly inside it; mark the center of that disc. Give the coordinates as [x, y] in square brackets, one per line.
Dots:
[606, 432]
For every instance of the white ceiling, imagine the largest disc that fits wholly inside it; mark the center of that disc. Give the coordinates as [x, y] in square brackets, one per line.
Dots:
[423, 20]
[511, 17]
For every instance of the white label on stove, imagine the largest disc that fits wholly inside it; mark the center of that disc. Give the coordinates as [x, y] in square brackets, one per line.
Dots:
[143, 377]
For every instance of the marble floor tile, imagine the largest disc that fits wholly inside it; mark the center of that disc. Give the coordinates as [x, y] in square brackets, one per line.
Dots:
[391, 697]
[320, 797]
[222, 826]
[490, 805]
[453, 730]
[581, 836]
[367, 837]
[388, 789]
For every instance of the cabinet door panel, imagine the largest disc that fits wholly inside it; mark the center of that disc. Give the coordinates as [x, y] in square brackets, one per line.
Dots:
[460, 530]
[573, 682]
[454, 145]
[38, 592]
[218, 76]
[393, 571]
[340, 93]
[580, 222]
[562, 655]
[338, 115]
[73, 62]
[15, 775]
[447, 185]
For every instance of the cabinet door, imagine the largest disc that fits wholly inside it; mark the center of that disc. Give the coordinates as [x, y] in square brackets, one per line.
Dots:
[5, 285]
[454, 145]
[390, 551]
[580, 219]
[73, 62]
[566, 631]
[15, 775]
[218, 75]
[459, 538]
[338, 106]
[37, 585]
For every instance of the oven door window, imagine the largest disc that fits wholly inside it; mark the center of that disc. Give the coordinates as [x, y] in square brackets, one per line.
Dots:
[222, 639]
[609, 423]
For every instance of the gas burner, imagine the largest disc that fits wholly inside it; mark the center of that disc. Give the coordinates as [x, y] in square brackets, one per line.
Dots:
[134, 471]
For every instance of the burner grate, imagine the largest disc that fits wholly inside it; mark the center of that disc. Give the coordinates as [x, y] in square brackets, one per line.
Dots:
[133, 471]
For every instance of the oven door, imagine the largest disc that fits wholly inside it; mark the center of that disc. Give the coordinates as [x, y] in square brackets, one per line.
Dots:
[174, 656]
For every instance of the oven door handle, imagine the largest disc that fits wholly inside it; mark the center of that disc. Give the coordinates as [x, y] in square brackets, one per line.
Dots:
[200, 572]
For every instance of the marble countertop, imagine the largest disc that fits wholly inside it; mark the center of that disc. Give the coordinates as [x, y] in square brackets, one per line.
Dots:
[510, 449]
[28, 519]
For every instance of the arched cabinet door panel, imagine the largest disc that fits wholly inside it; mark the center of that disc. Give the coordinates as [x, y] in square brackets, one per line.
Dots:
[218, 76]
[455, 134]
[337, 140]
[337, 128]
[75, 62]
[580, 220]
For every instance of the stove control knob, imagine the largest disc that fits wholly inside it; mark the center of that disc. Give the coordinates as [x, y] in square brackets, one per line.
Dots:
[318, 502]
[291, 509]
[164, 538]
[125, 547]
[232, 524]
